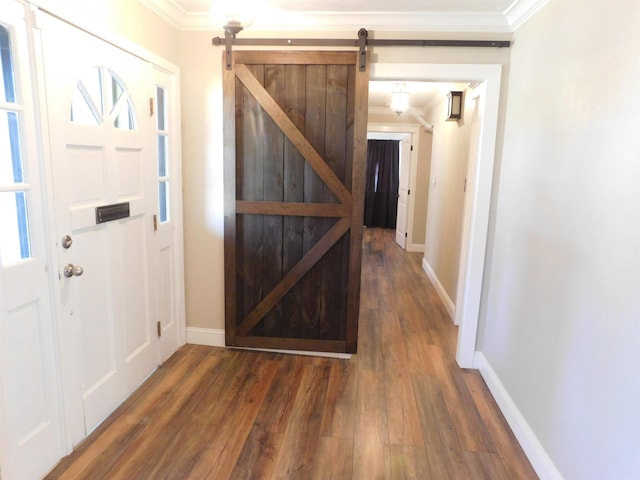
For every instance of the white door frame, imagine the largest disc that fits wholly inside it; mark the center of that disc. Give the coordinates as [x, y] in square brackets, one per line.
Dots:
[395, 132]
[474, 242]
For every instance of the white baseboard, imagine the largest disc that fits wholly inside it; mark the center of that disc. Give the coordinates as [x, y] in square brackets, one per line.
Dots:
[442, 293]
[530, 444]
[212, 337]
[415, 247]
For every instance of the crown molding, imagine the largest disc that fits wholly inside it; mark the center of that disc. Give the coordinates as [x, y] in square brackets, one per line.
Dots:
[505, 22]
[169, 11]
[521, 11]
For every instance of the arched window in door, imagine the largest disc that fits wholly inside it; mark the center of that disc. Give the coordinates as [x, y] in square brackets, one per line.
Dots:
[101, 97]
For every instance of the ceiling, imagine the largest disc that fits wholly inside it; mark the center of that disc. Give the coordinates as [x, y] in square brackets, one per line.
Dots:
[494, 16]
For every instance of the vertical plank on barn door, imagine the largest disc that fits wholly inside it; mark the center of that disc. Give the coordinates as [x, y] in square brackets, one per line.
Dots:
[273, 163]
[250, 227]
[316, 81]
[294, 154]
[294, 176]
[334, 293]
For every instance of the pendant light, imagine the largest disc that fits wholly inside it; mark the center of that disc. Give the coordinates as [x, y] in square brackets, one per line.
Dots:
[399, 100]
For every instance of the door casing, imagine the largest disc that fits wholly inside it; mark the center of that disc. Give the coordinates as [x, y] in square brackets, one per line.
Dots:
[476, 227]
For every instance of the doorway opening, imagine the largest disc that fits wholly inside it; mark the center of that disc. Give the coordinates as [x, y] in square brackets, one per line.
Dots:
[382, 183]
[411, 210]
[480, 176]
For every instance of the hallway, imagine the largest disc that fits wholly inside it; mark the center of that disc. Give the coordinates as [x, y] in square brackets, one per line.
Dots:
[400, 408]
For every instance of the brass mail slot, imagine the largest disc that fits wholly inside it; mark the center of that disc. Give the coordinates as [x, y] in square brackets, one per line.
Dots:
[108, 213]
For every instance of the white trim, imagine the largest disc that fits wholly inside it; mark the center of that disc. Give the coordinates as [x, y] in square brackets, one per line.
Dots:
[521, 11]
[79, 20]
[415, 247]
[5, 459]
[497, 22]
[533, 449]
[169, 12]
[475, 242]
[442, 293]
[412, 128]
[214, 337]
[336, 21]
[211, 337]
[389, 21]
[428, 127]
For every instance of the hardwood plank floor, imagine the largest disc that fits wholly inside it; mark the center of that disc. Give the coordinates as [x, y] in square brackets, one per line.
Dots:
[399, 409]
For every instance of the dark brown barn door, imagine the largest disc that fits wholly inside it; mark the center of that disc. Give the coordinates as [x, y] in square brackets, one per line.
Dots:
[295, 148]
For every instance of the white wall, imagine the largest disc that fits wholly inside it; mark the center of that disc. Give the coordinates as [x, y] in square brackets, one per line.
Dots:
[561, 314]
[201, 67]
[421, 194]
[128, 18]
[450, 158]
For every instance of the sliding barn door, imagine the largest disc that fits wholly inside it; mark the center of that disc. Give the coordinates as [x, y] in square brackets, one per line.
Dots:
[295, 150]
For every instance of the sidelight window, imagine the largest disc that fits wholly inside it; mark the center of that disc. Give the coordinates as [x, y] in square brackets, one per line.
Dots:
[162, 134]
[15, 243]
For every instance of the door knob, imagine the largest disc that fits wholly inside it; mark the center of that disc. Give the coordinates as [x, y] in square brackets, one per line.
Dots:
[72, 270]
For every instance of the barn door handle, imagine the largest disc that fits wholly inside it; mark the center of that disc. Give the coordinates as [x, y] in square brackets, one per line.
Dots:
[72, 271]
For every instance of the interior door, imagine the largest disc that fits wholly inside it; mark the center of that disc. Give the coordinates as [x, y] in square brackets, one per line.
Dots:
[403, 193]
[102, 142]
[295, 152]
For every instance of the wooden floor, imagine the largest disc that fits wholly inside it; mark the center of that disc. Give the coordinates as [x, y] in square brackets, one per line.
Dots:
[399, 409]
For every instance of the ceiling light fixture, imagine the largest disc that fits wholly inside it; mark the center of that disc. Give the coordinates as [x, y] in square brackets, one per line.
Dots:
[236, 17]
[232, 28]
[400, 100]
[235, 23]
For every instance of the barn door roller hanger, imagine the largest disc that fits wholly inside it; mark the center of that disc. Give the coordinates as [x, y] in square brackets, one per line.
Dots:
[362, 42]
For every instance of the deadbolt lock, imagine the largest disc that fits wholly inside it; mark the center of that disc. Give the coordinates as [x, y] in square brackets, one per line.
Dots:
[66, 241]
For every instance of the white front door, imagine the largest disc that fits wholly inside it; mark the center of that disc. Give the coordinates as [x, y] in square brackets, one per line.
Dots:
[403, 192]
[30, 406]
[103, 168]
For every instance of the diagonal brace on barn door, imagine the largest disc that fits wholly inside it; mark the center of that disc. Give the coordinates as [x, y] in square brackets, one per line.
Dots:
[312, 257]
[292, 132]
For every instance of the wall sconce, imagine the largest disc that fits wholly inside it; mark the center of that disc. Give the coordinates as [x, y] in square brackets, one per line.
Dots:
[400, 101]
[454, 105]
